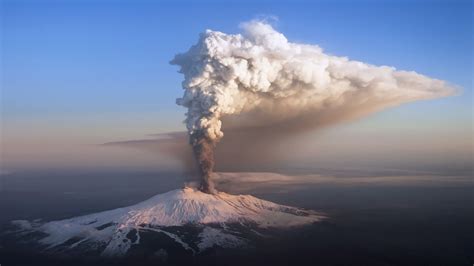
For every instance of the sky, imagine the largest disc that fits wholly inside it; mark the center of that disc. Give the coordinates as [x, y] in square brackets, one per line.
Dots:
[80, 73]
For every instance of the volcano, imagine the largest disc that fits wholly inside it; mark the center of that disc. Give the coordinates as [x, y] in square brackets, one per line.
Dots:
[188, 218]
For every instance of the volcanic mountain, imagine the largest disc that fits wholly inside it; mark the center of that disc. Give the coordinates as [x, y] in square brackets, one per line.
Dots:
[193, 220]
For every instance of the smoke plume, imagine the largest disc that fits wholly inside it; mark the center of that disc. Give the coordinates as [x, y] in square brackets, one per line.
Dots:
[258, 79]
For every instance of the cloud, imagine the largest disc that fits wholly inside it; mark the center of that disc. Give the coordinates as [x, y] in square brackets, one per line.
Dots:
[269, 87]
[260, 79]
[248, 182]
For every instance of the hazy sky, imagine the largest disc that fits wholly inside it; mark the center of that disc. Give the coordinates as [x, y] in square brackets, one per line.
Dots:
[79, 73]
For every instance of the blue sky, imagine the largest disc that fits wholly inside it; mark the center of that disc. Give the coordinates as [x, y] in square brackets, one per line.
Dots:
[107, 56]
[80, 59]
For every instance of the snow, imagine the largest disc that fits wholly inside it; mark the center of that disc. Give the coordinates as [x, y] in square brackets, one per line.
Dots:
[174, 208]
[214, 237]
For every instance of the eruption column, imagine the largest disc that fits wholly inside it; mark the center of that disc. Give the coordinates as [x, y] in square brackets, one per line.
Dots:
[203, 148]
[260, 72]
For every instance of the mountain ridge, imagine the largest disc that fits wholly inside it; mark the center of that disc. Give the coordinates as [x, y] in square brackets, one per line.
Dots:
[119, 229]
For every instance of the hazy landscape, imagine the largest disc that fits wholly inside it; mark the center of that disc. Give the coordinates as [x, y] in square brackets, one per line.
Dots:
[237, 133]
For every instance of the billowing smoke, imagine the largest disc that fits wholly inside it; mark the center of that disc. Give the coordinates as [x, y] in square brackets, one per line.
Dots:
[258, 80]
[203, 147]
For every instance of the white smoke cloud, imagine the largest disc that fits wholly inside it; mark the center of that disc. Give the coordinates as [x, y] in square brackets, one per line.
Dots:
[266, 82]
[260, 71]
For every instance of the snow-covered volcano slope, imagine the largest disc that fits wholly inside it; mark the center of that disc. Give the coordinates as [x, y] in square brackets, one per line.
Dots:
[117, 230]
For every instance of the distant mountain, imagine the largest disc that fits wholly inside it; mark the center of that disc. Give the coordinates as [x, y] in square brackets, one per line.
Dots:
[186, 218]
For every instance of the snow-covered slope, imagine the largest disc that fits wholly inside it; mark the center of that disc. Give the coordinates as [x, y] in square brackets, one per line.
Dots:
[117, 230]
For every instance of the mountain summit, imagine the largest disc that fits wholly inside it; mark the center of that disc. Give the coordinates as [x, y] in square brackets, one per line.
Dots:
[193, 219]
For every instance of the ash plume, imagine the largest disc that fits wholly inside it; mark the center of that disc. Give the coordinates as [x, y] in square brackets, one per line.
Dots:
[260, 80]
[203, 148]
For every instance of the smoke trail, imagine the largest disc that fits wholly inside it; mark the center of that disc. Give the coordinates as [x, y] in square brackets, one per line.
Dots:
[260, 76]
[203, 148]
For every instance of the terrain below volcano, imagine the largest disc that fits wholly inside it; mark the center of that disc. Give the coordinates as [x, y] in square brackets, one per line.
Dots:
[221, 219]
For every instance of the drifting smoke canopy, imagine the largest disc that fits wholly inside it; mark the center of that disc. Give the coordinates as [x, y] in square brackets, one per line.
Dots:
[260, 72]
